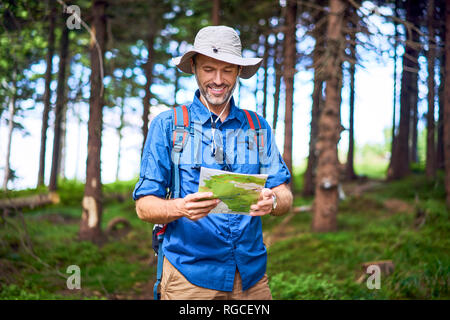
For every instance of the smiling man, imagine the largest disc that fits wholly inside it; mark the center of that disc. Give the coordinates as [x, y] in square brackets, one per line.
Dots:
[210, 256]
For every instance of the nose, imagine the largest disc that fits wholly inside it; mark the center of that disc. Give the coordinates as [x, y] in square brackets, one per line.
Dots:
[218, 78]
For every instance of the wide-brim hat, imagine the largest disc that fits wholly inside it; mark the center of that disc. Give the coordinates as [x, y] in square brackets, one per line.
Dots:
[221, 43]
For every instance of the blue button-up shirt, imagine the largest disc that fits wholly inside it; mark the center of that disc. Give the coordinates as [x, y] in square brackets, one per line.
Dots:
[208, 251]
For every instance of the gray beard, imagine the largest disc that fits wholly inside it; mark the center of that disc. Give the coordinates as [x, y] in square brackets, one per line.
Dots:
[226, 99]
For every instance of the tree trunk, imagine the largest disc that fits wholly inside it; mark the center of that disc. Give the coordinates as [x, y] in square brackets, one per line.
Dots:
[90, 227]
[12, 111]
[47, 93]
[413, 153]
[327, 179]
[121, 125]
[349, 168]
[440, 127]
[447, 106]
[215, 13]
[394, 102]
[266, 75]
[278, 72]
[431, 153]
[309, 176]
[59, 108]
[400, 159]
[148, 69]
[289, 72]
[440, 161]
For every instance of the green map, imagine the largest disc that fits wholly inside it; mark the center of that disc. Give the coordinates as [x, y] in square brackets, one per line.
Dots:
[236, 191]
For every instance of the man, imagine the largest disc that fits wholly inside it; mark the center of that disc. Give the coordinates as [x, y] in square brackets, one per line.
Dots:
[211, 256]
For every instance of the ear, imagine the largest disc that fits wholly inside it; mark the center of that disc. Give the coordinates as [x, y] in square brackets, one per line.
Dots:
[239, 72]
[192, 65]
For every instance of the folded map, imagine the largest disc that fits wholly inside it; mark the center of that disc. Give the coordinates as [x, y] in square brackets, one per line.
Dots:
[236, 191]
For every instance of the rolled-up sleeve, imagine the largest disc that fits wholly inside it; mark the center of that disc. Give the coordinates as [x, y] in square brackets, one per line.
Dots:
[272, 161]
[155, 172]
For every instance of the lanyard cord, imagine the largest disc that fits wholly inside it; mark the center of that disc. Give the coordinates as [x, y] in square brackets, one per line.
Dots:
[213, 122]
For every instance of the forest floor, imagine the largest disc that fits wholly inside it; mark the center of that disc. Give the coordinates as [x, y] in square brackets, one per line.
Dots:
[404, 224]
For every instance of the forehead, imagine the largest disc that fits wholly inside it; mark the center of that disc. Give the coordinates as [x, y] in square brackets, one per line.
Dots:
[205, 60]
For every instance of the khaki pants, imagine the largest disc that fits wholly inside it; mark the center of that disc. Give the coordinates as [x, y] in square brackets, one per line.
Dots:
[174, 286]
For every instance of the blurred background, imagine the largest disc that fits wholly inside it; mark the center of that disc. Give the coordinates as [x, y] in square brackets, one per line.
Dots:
[354, 90]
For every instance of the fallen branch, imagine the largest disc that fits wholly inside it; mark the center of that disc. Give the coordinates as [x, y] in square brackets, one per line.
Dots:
[29, 202]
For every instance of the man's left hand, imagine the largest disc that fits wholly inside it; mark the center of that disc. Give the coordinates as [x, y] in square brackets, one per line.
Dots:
[264, 205]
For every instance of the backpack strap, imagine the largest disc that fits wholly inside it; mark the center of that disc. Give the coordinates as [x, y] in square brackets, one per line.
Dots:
[256, 132]
[181, 130]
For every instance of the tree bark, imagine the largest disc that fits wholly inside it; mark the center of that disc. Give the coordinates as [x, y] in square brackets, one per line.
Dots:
[59, 108]
[47, 92]
[440, 124]
[148, 69]
[431, 153]
[440, 161]
[400, 159]
[289, 72]
[278, 72]
[394, 102]
[447, 106]
[12, 111]
[90, 227]
[327, 179]
[309, 176]
[266, 75]
[349, 167]
[215, 13]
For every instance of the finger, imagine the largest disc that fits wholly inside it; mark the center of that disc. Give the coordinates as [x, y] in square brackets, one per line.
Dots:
[200, 211]
[258, 213]
[200, 195]
[202, 204]
[265, 193]
[262, 204]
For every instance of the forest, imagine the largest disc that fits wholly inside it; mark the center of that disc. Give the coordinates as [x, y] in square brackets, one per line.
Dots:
[354, 91]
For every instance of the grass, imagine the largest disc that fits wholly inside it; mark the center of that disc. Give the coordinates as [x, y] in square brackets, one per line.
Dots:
[301, 265]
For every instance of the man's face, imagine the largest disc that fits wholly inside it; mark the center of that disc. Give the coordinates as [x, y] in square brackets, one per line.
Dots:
[216, 79]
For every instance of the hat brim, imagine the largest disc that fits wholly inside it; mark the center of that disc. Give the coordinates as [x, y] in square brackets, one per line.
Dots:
[249, 65]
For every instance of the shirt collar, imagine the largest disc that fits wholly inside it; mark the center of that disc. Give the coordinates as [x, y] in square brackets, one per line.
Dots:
[202, 113]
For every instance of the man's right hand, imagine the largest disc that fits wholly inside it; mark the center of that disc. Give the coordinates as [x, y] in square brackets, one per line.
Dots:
[197, 205]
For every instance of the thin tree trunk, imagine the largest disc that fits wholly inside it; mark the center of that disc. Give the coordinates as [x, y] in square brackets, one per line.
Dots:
[215, 13]
[413, 153]
[440, 127]
[327, 179]
[90, 226]
[59, 108]
[148, 69]
[349, 168]
[447, 106]
[309, 176]
[12, 111]
[278, 65]
[47, 92]
[289, 72]
[121, 125]
[62, 149]
[266, 75]
[400, 158]
[431, 153]
[394, 102]
[440, 161]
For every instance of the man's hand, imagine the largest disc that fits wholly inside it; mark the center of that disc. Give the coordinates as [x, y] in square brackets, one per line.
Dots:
[264, 205]
[196, 205]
